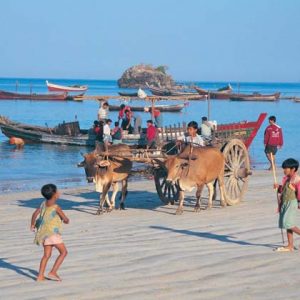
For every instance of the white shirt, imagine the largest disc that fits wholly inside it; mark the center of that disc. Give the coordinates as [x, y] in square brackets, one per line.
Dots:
[195, 140]
[102, 113]
[206, 130]
[106, 129]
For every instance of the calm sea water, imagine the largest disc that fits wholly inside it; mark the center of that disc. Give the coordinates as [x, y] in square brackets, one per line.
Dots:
[36, 165]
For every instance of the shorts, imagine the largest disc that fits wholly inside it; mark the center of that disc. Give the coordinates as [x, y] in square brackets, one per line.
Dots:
[54, 239]
[271, 149]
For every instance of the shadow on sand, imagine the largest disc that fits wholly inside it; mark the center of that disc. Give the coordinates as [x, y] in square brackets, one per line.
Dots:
[213, 236]
[88, 202]
[32, 274]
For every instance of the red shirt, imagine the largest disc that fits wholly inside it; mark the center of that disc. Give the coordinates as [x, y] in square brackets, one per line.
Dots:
[273, 135]
[97, 130]
[156, 113]
[151, 133]
[122, 111]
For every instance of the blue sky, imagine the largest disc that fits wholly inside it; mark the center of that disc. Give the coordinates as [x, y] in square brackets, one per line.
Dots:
[206, 40]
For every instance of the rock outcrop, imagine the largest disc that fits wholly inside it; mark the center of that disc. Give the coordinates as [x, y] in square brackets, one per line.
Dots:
[138, 76]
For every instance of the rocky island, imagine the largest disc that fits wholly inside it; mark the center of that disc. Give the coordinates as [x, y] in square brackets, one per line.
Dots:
[138, 76]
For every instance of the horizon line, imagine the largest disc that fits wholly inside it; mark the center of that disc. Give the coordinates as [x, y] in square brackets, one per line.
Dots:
[176, 80]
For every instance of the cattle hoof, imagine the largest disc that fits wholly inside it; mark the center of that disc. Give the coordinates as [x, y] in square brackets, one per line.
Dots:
[209, 207]
[122, 206]
[197, 208]
[99, 212]
[109, 209]
[179, 212]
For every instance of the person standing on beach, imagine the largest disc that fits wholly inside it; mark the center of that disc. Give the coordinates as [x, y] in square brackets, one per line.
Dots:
[289, 201]
[273, 139]
[48, 230]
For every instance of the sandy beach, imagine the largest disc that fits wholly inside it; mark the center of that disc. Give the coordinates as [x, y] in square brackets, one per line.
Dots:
[147, 252]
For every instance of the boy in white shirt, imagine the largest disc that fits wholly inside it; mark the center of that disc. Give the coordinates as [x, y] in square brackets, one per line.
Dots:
[106, 132]
[192, 136]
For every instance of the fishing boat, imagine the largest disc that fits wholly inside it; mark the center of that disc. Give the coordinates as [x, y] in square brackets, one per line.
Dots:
[162, 108]
[4, 95]
[67, 89]
[124, 94]
[222, 93]
[255, 97]
[71, 134]
[169, 92]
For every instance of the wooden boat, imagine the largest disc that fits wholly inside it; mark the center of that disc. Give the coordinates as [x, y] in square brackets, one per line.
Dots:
[222, 93]
[67, 89]
[71, 134]
[162, 108]
[297, 100]
[255, 97]
[169, 92]
[40, 97]
[124, 94]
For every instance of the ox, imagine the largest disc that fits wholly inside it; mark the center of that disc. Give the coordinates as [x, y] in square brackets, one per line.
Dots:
[194, 168]
[107, 171]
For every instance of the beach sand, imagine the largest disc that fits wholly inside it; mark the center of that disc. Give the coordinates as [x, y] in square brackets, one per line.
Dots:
[147, 252]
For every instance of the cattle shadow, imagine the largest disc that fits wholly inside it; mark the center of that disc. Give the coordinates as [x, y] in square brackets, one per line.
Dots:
[27, 272]
[209, 235]
[88, 202]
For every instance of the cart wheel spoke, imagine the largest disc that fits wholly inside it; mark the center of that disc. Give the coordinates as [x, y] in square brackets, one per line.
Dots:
[236, 162]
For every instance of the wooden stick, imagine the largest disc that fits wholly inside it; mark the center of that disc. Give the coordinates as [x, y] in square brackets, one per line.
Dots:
[273, 169]
[275, 182]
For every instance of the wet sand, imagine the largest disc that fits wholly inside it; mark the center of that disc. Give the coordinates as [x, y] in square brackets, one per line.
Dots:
[147, 252]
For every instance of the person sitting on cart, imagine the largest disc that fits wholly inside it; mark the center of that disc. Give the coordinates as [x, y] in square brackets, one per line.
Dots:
[117, 134]
[98, 130]
[103, 111]
[206, 128]
[126, 123]
[191, 137]
[158, 120]
[122, 110]
[151, 135]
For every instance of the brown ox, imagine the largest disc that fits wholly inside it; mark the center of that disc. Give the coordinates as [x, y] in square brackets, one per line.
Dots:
[194, 168]
[106, 172]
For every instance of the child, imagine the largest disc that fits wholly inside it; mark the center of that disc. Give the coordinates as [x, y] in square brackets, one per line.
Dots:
[151, 135]
[289, 201]
[48, 231]
[107, 132]
[192, 136]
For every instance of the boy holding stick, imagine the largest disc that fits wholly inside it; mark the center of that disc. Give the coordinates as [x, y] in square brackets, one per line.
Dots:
[288, 201]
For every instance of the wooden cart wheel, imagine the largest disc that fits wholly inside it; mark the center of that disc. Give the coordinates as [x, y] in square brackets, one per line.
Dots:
[237, 171]
[168, 193]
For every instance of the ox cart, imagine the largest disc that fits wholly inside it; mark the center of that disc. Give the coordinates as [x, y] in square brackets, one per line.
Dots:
[233, 140]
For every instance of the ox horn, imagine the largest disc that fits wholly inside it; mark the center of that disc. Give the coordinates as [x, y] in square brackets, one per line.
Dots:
[160, 163]
[104, 163]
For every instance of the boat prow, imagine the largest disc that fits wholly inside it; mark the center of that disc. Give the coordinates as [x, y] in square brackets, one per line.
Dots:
[67, 89]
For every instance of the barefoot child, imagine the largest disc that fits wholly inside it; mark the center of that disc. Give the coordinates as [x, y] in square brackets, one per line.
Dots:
[48, 230]
[289, 201]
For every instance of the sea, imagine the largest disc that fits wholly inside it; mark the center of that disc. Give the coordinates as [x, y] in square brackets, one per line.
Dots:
[38, 164]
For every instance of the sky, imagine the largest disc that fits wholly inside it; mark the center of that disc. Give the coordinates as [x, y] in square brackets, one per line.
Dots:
[202, 40]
